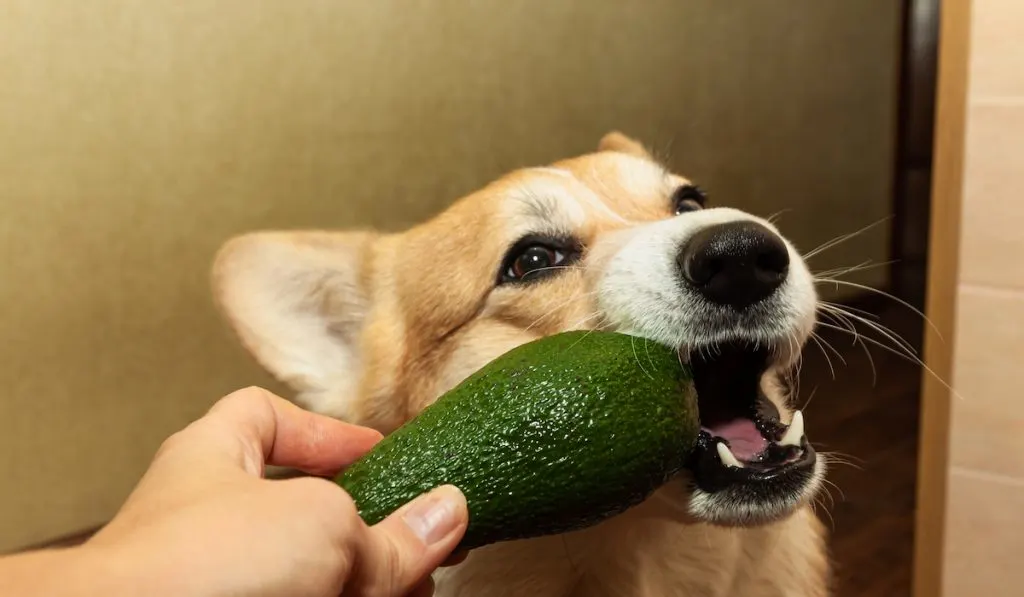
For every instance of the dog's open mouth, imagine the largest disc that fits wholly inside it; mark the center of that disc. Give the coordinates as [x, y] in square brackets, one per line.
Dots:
[742, 441]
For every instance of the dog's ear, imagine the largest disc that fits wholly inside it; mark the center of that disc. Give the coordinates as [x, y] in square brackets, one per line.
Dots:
[298, 301]
[616, 141]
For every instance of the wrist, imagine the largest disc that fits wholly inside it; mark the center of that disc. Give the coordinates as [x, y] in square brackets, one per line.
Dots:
[82, 571]
[58, 572]
[122, 568]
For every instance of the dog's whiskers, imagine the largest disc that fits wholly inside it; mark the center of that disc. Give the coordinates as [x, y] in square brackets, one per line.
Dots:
[632, 343]
[775, 217]
[559, 306]
[848, 309]
[809, 398]
[819, 501]
[913, 358]
[838, 489]
[831, 274]
[842, 320]
[886, 332]
[886, 295]
[841, 239]
[583, 321]
[815, 338]
[840, 458]
[841, 317]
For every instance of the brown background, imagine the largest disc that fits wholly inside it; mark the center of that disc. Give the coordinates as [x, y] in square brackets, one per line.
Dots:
[135, 136]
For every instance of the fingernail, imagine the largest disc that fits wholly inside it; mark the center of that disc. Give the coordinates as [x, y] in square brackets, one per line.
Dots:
[433, 516]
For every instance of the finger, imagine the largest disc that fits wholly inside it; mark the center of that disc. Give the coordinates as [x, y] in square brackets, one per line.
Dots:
[406, 547]
[256, 427]
[317, 444]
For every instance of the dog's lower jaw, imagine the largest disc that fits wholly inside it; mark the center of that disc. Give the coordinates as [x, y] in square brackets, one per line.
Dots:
[651, 551]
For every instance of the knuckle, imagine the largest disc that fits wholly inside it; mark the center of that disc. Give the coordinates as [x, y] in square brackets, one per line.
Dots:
[245, 395]
[172, 443]
[385, 582]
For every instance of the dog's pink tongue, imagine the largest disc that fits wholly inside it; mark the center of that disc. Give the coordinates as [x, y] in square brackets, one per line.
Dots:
[745, 441]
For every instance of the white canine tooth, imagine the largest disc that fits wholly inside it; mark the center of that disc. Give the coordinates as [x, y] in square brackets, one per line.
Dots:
[795, 433]
[726, 456]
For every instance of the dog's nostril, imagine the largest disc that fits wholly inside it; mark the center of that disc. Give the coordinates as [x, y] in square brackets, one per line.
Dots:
[735, 264]
[700, 270]
[774, 259]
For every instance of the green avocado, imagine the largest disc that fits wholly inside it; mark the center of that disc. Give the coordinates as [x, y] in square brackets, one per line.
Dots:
[553, 436]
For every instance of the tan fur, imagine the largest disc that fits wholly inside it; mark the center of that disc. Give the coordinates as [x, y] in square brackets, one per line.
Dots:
[371, 328]
[616, 141]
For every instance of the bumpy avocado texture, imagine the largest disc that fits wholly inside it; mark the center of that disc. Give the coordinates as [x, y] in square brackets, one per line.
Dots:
[553, 436]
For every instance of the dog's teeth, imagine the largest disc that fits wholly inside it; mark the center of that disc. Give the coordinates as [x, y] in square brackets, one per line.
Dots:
[795, 433]
[726, 456]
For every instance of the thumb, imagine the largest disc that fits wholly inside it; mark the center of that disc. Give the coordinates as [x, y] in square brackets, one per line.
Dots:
[406, 547]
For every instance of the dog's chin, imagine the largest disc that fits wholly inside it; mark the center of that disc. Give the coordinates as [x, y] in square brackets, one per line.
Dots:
[748, 467]
[754, 504]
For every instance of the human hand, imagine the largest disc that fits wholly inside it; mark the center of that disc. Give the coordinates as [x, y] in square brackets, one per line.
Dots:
[203, 522]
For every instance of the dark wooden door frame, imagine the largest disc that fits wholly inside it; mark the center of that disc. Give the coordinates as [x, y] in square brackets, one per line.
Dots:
[911, 192]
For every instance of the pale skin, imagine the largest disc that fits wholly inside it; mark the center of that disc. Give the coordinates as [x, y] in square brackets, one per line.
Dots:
[204, 522]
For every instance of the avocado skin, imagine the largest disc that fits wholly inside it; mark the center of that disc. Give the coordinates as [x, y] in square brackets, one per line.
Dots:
[553, 436]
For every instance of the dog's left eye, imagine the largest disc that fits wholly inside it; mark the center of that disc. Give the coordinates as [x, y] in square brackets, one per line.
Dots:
[688, 198]
[531, 260]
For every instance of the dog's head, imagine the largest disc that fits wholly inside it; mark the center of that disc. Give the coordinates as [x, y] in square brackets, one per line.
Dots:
[371, 328]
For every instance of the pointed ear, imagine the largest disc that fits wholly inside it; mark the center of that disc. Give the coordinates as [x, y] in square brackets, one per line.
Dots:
[298, 301]
[616, 141]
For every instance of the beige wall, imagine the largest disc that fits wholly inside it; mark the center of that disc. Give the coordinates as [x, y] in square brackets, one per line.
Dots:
[135, 136]
[985, 508]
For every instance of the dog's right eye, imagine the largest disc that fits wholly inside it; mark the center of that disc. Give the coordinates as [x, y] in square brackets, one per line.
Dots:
[531, 260]
[534, 259]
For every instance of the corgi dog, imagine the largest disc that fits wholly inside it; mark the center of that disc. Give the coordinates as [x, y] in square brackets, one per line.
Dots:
[372, 327]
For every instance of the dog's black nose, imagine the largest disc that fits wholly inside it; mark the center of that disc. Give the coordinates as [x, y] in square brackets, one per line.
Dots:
[735, 264]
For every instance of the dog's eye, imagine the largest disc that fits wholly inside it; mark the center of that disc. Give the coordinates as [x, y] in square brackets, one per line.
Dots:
[688, 198]
[533, 258]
